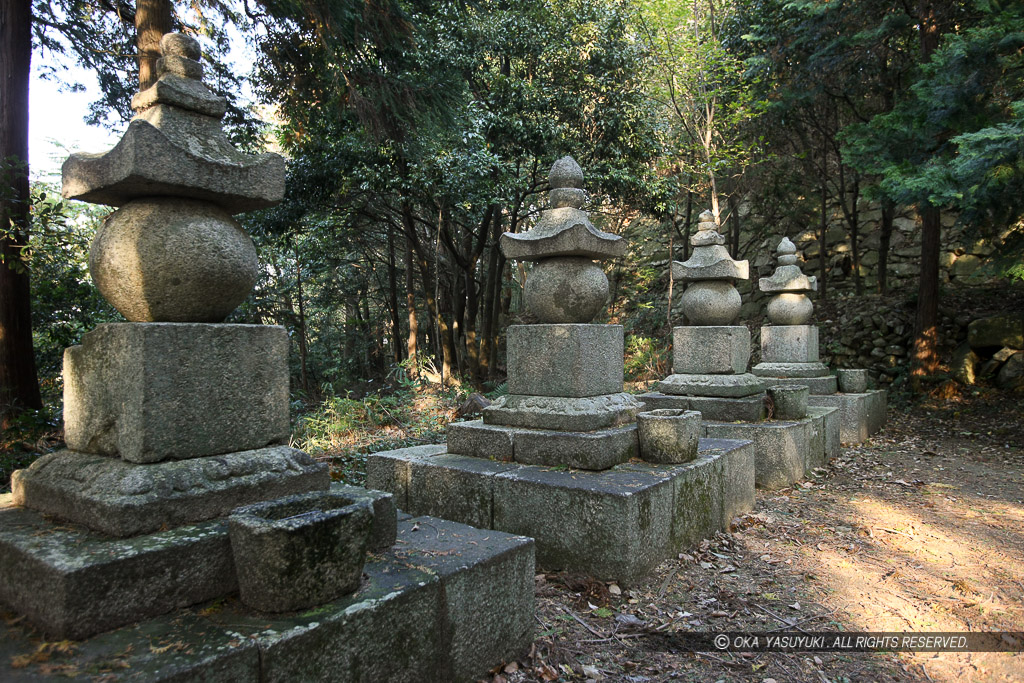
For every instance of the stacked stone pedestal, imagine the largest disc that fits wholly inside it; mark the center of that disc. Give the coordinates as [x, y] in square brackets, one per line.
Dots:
[565, 405]
[177, 423]
[556, 459]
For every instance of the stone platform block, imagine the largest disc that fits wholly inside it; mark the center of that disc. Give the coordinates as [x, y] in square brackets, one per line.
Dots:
[616, 524]
[73, 583]
[711, 350]
[123, 499]
[781, 448]
[596, 450]
[714, 386]
[391, 471]
[568, 360]
[449, 602]
[789, 343]
[799, 370]
[748, 408]
[818, 385]
[830, 420]
[562, 414]
[861, 415]
[458, 487]
[149, 392]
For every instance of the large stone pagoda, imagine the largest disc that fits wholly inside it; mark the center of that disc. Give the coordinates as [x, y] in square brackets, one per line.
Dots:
[559, 457]
[178, 486]
[565, 376]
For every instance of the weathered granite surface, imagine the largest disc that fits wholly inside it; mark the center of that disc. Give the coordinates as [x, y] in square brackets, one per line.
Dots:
[72, 583]
[564, 414]
[817, 385]
[566, 360]
[668, 435]
[780, 448]
[175, 147]
[149, 392]
[615, 524]
[789, 344]
[593, 450]
[170, 259]
[748, 408]
[710, 349]
[720, 386]
[566, 289]
[123, 499]
[299, 551]
[789, 402]
[861, 415]
[417, 616]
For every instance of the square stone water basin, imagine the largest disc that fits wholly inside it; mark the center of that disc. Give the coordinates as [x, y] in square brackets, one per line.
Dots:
[299, 551]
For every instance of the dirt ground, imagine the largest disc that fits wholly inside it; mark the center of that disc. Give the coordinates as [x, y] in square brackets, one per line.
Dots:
[919, 529]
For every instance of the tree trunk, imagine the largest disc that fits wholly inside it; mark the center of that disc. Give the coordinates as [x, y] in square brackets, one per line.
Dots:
[926, 328]
[490, 301]
[686, 225]
[823, 245]
[410, 303]
[671, 280]
[301, 336]
[19, 384]
[152, 21]
[734, 222]
[855, 237]
[396, 325]
[885, 237]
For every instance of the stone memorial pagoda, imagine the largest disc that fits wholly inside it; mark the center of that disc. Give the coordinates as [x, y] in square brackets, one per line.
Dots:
[789, 353]
[178, 487]
[558, 458]
[709, 363]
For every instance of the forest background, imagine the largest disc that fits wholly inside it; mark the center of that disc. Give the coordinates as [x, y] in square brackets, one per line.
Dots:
[417, 131]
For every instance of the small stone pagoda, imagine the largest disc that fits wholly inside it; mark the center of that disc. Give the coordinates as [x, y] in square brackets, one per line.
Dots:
[789, 346]
[559, 457]
[178, 486]
[789, 352]
[710, 357]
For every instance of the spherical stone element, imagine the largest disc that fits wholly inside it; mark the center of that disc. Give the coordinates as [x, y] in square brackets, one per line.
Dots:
[173, 260]
[711, 302]
[566, 173]
[567, 289]
[789, 309]
[180, 45]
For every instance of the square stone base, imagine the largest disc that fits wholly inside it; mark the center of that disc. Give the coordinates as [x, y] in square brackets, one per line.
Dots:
[120, 498]
[782, 448]
[747, 409]
[73, 583]
[861, 415]
[714, 349]
[596, 450]
[149, 392]
[448, 602]
[714, 386]
[614, 525]
[563, 414]
[789, 343]
[569, 360]
[818, 385]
